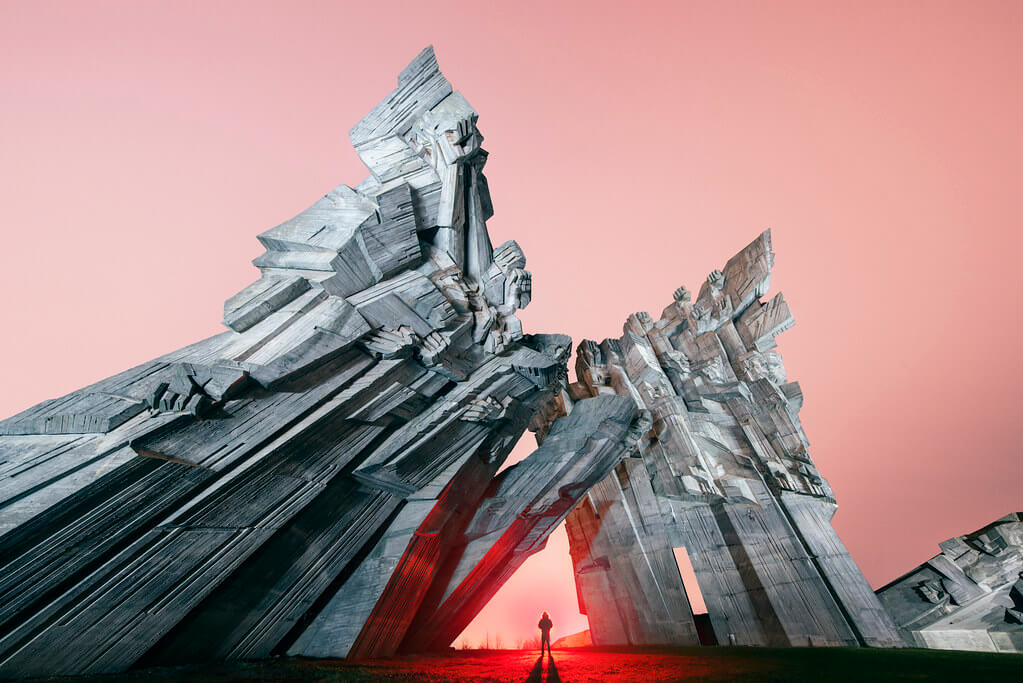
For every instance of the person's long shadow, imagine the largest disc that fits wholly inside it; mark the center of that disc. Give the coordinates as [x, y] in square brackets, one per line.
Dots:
[536, 673]
[552, 671]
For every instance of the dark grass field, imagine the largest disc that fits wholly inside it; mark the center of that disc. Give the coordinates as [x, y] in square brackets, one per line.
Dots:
[615, 664]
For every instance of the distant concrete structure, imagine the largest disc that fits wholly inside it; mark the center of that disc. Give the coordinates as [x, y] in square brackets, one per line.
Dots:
[968, 597]
[725, 474]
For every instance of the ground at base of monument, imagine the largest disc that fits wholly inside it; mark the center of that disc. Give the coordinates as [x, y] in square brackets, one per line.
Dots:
[575, 665]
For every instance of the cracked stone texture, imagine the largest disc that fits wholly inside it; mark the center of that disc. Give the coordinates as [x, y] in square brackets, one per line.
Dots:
[322, 478]
[968, 597]
[725, 473]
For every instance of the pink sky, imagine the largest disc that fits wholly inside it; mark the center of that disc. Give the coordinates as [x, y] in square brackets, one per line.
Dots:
[144, 145]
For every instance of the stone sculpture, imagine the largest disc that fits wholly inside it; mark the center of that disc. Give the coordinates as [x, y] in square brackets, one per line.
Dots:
[968, 597]
[322, 478]
[724, 473]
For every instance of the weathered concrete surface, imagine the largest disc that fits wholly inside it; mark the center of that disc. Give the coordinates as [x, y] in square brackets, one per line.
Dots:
[321, 478]
[725, 473]
[968, 597]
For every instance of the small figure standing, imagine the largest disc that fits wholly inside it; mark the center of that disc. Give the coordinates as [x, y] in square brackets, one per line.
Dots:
[545, 633]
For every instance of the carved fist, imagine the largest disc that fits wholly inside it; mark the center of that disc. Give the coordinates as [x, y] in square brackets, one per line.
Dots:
[196, 388]
[509, 256]
[483, 409]
[387, 343]
[518, 290]
[682, 294]
[433, 345]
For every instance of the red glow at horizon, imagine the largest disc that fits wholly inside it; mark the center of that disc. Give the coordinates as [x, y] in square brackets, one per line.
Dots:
[144, 145]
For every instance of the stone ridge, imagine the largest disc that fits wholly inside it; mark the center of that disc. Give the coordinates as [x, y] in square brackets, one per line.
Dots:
[725, 473]
[322, 478]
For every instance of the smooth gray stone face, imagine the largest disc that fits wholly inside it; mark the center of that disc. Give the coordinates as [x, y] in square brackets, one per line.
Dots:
[322, 478]
[724, 474]
[969, 597]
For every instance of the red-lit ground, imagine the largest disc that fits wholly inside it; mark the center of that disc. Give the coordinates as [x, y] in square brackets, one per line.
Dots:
[569, 666]
[710, 664]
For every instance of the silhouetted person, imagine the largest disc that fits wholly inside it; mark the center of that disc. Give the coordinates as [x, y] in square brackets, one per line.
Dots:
[545, 633]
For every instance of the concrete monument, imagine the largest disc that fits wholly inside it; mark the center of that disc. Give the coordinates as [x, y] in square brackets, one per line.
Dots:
[724, 477]
[323, 477]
